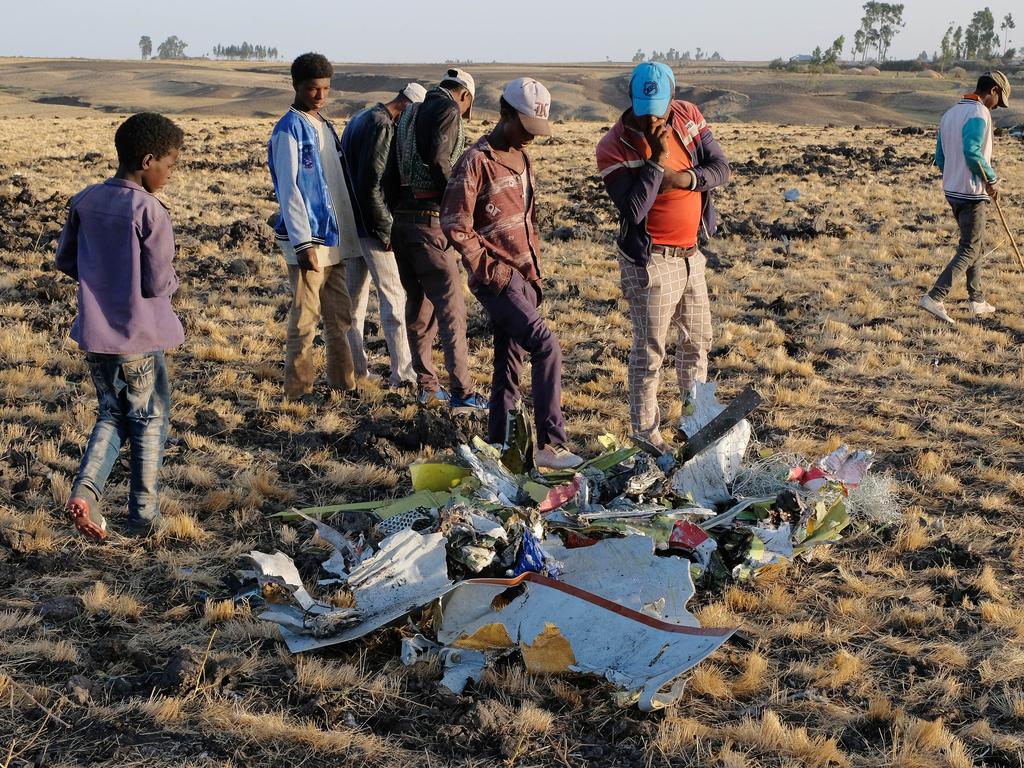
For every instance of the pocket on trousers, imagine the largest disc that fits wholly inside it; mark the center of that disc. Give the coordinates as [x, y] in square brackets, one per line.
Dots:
[140, 378]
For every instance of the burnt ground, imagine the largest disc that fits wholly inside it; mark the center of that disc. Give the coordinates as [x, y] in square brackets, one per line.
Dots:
[901, 645]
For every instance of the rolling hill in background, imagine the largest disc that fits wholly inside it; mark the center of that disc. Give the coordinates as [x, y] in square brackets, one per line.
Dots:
[727, 92]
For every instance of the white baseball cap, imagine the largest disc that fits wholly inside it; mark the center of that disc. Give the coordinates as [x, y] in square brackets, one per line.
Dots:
[414, 92]
[532, 101]
[463, 78]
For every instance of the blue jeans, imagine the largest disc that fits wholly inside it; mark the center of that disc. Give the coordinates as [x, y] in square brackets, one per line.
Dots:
[134, 405]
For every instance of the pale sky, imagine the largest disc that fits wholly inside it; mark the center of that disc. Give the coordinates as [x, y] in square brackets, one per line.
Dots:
[477, 30]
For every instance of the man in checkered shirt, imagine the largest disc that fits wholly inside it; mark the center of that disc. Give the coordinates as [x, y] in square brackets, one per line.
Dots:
[660, 164]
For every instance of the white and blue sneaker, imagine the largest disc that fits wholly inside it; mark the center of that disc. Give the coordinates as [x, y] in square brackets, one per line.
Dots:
[469, 404]
[433, 399]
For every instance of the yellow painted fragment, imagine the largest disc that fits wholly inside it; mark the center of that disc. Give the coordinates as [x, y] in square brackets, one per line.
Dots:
[487, 637]
[436, 476]
[550, 652]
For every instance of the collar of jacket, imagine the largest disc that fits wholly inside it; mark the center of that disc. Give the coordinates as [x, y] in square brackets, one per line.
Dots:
[384, 108]
[676, 116]
[484, 145]
[443, 90]
[113, 181]
[300, 113]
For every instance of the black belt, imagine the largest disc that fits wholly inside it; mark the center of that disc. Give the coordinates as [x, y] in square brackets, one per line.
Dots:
[425, 213]
[674, 251]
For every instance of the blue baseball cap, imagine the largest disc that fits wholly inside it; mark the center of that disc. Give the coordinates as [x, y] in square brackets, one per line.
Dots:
[651, 88]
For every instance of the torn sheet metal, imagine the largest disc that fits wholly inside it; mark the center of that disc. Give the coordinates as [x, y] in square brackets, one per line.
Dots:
[345, 554]
[559, 495]
[460, 664]
[690, 537]
[627, 572]
[768, 546]
[278, 571]
[408, 571]
[707, 476]
[745, 403]
[497, 484]
[559, 628]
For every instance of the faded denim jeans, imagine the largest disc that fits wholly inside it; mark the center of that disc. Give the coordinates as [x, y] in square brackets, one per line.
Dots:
[134, 406]
[970, 217]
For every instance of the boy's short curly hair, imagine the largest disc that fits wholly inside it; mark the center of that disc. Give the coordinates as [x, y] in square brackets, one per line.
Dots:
[146, 133]
[311, 66]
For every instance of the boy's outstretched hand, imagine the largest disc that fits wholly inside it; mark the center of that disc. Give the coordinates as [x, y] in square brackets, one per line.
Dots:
[307, 259]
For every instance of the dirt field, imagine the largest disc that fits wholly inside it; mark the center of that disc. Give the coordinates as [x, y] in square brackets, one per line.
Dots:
[901, 646]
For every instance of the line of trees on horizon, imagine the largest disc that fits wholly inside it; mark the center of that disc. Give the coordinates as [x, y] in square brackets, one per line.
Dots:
[174, 48]
[672, 56]
[977, 42]
[245, 52]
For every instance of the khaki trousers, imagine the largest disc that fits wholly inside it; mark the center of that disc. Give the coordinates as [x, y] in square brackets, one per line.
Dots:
[317, 295]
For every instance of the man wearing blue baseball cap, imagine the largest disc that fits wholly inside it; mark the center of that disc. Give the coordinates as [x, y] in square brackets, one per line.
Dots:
[660, 163]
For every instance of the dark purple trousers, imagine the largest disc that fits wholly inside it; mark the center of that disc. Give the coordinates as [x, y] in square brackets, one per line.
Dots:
[520, 330]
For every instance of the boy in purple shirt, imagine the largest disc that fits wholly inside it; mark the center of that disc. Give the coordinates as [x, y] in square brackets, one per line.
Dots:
[118, 244]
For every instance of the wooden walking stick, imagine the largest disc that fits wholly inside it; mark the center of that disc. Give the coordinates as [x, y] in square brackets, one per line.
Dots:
[1009, 235]
[1002, 219]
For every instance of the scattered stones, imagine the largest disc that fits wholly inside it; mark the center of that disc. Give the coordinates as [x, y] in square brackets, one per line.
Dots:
[181, 672]
[81, 689]
[209, 422]
[562, 234]
[61, 609]
[238, 268]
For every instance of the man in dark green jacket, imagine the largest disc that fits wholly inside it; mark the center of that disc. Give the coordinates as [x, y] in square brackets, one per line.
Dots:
[366, 143]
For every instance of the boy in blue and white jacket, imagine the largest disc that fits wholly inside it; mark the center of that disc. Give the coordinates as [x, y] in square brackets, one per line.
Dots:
[963, 153]
[315, 229]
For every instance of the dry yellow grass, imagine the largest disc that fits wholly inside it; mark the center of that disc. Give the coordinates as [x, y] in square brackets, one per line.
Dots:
[901, 646]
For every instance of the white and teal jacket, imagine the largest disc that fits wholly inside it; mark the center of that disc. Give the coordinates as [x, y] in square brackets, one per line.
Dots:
[963, 151]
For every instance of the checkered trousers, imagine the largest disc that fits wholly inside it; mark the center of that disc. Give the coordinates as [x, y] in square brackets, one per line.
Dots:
[669, 291]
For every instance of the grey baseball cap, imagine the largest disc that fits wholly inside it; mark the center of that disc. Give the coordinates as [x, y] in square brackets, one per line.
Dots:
[1004, 87]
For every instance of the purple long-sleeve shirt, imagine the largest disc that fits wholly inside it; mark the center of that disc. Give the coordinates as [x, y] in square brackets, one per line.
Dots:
[118, 243]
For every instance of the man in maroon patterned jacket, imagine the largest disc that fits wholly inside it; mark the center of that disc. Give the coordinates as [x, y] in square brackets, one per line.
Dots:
[488, 215]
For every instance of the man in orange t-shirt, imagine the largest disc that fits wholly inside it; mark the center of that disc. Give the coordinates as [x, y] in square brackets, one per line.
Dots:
[660, 163]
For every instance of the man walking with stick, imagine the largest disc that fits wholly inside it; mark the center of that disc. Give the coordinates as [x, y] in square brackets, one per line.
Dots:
[964, 155]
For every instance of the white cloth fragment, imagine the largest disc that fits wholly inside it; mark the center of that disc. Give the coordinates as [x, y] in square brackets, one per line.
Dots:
[707, 476]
